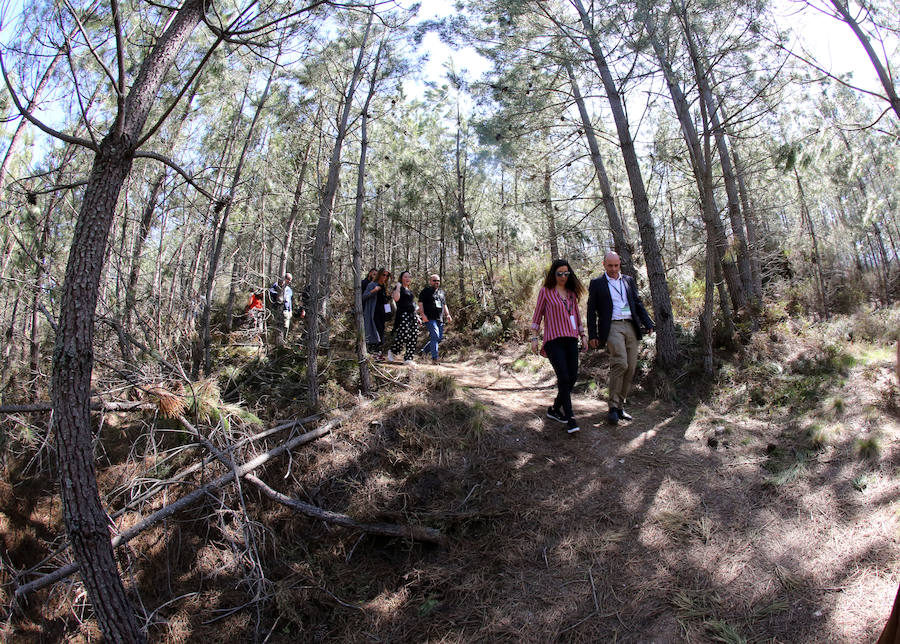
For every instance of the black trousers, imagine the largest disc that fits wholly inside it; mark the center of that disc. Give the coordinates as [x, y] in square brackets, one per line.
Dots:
[563, 355]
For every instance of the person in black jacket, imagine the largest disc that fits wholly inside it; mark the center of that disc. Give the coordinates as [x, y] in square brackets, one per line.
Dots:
[615, 317]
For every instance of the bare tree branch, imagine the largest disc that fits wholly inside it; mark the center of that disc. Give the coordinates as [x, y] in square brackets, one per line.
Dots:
[45, 128]
[167, 161]
[186, 501]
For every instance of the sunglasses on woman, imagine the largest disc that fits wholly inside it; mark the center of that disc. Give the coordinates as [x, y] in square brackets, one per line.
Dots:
[563, 273]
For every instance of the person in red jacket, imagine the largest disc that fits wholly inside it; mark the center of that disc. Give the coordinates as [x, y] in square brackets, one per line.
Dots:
[255, 310]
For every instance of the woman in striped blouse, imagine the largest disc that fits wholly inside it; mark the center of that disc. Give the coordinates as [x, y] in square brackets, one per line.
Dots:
[557, 305]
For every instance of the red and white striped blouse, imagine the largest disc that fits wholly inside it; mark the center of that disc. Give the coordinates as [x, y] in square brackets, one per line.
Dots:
[556, 312]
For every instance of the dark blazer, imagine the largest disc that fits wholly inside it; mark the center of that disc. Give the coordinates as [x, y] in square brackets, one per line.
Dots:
[600, 308]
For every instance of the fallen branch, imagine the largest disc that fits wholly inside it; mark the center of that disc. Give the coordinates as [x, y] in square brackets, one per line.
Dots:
[386, 529]
[97, 405]
[185, 501]
[177, 478]
[443, 516]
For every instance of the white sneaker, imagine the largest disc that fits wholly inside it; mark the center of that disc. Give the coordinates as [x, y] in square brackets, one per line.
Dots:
[390, 357]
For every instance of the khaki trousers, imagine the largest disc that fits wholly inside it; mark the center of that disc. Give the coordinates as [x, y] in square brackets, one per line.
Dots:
[622, 345]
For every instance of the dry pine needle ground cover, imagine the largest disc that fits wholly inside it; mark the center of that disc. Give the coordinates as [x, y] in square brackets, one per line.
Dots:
[763, 510]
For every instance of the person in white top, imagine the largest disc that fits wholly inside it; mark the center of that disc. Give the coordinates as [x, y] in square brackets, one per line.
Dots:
[616, 318]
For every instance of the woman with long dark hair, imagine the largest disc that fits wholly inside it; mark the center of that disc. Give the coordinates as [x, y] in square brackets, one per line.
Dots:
[374, 289]
[382, 308]
[406, 325]
[557, 306]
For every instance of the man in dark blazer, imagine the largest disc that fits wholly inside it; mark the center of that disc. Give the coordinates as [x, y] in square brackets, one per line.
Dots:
[615, 317]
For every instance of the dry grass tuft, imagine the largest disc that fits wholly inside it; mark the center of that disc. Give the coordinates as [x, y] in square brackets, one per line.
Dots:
[789, 579]
[440, 383]
[819, 437]
[171, 403]
[868, 448]
[696, 604]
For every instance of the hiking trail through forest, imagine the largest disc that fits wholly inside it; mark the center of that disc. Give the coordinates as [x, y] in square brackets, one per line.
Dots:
[712, 521]
[673, 527]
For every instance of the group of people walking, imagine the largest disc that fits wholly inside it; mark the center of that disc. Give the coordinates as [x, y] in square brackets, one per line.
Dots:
[380, 298]
[379, 302]
[616, 318]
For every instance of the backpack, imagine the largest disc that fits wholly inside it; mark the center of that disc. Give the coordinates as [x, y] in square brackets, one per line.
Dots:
[275, 297]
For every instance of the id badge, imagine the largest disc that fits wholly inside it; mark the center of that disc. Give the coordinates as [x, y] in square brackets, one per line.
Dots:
[626, 310]
[387, 308]
[572, 322]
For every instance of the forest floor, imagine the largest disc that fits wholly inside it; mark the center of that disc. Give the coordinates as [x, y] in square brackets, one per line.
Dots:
[764, 509]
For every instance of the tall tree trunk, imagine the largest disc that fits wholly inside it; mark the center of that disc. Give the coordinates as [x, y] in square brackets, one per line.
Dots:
[8, 344]
[320, 257]
[885, 262]
[236, 260]
[218, 240]
[365, 378]
[547, 199]
[818, 278]
[753, 243]
[40, 270]
[701, 166]
[622, 247]
[706, 317]
[143, 231]
[702, 72]
[666, 346]
[288, 239]
[86, 522]
[460, 215]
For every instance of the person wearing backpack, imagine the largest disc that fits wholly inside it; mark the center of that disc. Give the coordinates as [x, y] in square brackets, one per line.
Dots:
[281, 297]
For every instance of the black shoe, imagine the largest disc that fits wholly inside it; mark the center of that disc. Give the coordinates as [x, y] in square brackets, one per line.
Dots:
[556, 415]
[623, 415]
[612, 417]
[573, 426]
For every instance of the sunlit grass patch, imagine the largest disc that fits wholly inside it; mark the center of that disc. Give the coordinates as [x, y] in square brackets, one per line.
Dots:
[527, 363]
[861, 481]
[868, 354]
[818, 436]
[441, 383]
[868, 448]
[681, 525]
[205, 401]
[784, 467]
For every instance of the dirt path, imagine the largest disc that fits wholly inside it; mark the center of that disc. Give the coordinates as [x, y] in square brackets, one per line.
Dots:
[683, 525]
[714, 522]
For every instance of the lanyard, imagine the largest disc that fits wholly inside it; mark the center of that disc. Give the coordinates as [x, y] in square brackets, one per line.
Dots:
[566, 303]
[620, 289]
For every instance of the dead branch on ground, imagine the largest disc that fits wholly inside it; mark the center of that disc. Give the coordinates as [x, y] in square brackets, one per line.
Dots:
[385, 529]
[21, 591]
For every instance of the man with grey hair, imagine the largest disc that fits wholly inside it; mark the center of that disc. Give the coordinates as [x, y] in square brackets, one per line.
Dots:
[434, 312]
[281, 298]
[615, 315]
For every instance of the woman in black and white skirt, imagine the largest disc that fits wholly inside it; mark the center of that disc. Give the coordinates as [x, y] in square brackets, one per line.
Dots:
[406, 324]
